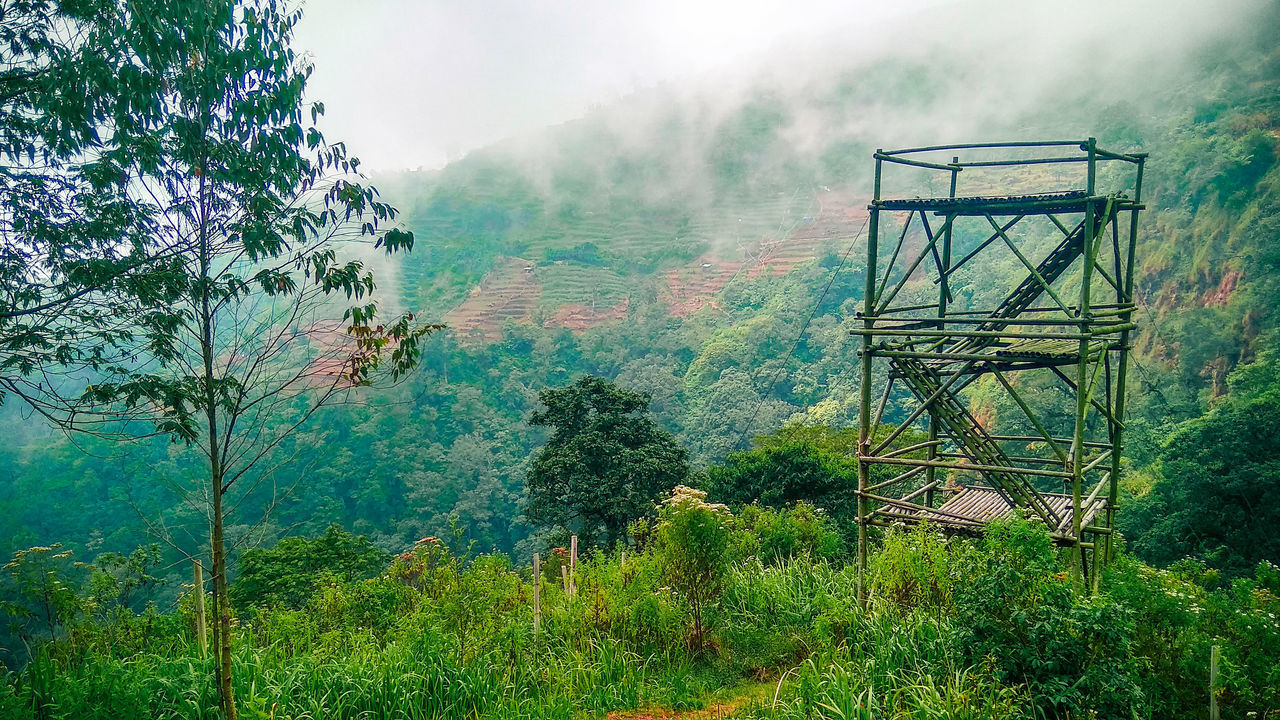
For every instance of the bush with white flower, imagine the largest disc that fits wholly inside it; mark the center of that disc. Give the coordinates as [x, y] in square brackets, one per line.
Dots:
[692, 543]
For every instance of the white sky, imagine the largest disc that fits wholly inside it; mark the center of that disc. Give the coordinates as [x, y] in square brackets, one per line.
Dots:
[414, 83]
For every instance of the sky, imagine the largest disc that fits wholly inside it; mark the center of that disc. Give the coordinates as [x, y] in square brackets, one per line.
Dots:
[417, 83]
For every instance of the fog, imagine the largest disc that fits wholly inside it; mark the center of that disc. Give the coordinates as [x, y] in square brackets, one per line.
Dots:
[408, 83]
[411, 84]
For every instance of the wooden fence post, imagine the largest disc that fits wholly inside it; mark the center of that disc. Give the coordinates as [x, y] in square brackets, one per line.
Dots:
[537, 593]
[573, 565]
[198, 590]
[564, 577]
[1213, 683]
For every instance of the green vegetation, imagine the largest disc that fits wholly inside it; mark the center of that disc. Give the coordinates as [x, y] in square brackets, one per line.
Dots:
[800, 463]
[983, 628]
[603, 466]
[288, 574]
[1219, 480]
[696, 439]
[198, 274]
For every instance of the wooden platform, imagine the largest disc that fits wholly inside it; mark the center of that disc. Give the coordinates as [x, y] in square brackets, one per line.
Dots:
[972, 506]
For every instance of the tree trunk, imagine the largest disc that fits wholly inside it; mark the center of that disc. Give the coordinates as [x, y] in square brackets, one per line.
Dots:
[226, 696]
[221, 604]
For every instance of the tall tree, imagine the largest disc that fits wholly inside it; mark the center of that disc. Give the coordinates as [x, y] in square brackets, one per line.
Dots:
[797, 462]
[605, 464]
[233, 167]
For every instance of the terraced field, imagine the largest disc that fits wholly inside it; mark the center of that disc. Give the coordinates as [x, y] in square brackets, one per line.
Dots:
[581, 317]
[835, 220]
[765, 238]
[693, 287]
[508, 292]
[568, 283]
[629, 238]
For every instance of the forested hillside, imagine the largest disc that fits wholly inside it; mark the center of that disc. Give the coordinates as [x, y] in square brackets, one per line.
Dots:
[677, 242]
[645, 376]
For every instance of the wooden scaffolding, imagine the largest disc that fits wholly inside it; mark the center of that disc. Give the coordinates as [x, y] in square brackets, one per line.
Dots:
[1054, 212]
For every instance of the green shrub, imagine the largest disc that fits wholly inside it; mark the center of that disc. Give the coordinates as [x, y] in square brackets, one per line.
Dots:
[692, 544]
[801, 530]
[286, 575]
[914, 568]
[1014, 609]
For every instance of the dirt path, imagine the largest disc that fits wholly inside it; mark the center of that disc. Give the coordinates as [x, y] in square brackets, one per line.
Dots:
[719, 710]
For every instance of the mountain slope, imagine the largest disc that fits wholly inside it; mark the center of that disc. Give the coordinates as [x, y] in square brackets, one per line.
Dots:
[678, 241]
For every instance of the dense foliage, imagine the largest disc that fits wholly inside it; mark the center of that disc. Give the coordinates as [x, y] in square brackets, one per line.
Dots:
[983, 628]
[1219, 481]
[288, 574]
[77, 93]
[604, 465]
[625, 326]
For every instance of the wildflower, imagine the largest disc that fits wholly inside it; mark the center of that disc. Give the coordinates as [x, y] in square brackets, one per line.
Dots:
[682, 495]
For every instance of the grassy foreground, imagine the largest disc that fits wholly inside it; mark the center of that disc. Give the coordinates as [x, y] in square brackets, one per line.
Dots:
[983, 628]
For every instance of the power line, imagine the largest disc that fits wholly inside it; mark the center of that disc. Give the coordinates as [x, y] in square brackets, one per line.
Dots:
[799, 337]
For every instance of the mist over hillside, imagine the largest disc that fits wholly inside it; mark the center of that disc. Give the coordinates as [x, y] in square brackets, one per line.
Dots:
[772, 160]
[677, 241]
[603, 444]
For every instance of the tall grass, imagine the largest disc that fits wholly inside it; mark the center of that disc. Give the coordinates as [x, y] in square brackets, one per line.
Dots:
[459, 643]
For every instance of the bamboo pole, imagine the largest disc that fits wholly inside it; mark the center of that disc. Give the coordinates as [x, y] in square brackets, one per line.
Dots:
[944, 295]
[1126, 300]
[198, 590]
[896, 479]
[1087, 237]
[573, 565]
[920, 334]
[1213, 683]
[537, 593]
[864, 391]
[978, 467]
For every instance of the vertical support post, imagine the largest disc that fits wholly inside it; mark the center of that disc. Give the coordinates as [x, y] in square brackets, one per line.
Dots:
[1088, 238]
[1095, 564]
[201, 627]
[564, 577]
[864, 409]
[1213, 683]
[1122, 372]
[930, 472]
[537, 593]
[573, 565]
[944, 292]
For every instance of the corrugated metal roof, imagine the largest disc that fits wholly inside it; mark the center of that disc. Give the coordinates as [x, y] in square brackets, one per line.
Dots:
[974, 505]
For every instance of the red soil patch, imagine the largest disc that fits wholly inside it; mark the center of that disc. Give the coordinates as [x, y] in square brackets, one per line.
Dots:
[580, 317]
[693, 288]
[511, 292]
[508, 292]
[1220, 295]
[840, 217]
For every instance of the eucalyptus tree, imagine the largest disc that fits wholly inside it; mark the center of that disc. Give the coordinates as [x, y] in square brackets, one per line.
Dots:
[274, 313]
